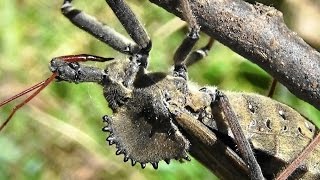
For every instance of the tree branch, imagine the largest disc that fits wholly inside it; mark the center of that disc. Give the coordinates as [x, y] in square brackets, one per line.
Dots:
[258, 33]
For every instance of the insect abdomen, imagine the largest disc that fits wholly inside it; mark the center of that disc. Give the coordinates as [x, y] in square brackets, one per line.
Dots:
[276, 131]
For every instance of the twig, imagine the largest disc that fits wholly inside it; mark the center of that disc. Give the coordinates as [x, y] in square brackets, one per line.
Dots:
[258, 33]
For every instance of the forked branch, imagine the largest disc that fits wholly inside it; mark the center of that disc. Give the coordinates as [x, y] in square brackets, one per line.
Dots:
[258, 33]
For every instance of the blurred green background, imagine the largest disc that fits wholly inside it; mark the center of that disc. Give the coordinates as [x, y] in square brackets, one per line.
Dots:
[58, 134]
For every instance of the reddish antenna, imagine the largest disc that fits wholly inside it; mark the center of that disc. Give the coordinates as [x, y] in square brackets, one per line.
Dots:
[40, 86]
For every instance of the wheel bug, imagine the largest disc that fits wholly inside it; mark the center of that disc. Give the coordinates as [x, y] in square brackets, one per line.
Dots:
[67, 74]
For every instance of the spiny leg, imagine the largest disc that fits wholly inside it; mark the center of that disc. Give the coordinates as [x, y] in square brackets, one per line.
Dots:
[220, 99]
[226, 107]
[134, 29]
[131, 24]
[199, 54]
[102, 32]
[188, 43]
[180, 70]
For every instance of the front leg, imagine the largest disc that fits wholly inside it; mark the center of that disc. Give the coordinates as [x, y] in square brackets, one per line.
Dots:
[220, 99]
[206, 147]
[98, 29]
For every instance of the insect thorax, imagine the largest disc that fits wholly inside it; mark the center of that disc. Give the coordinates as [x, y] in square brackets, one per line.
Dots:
[141, 125]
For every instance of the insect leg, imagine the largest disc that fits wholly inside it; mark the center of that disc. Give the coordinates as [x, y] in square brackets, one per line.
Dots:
[199, 54]
[208, 148]
[131, 24]
[220, 99]
[102, 32]
[272, 87]
[187, 44]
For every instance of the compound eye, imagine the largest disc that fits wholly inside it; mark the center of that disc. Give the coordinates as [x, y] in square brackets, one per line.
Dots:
[74, 65]
[106, 79]
[105, 75]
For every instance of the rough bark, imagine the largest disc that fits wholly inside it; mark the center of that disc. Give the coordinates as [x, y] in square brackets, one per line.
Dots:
[258, 33]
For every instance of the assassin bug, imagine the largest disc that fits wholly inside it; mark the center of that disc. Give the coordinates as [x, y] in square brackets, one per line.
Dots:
[194, 104]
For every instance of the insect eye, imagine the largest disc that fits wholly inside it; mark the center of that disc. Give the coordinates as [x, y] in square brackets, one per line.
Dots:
[74, 65]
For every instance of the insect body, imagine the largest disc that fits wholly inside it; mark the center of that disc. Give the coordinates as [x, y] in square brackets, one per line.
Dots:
[146, 107]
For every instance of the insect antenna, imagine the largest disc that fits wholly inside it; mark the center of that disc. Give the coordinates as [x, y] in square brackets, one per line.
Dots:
[40, 86]
[22, 93]
[295, 164]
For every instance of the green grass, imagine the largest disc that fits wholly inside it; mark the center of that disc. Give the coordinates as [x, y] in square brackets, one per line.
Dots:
[58, 134]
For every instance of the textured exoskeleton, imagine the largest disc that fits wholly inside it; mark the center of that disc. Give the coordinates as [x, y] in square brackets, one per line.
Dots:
[276, 132]
[159, 116]
[162, 116]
